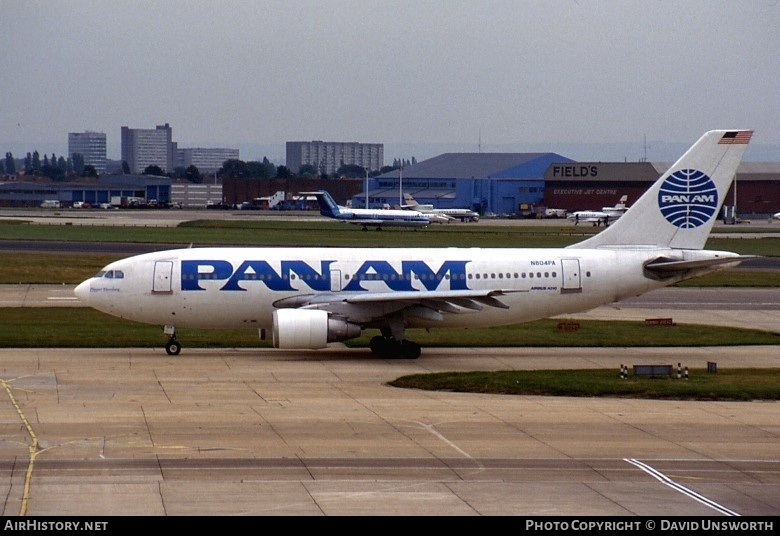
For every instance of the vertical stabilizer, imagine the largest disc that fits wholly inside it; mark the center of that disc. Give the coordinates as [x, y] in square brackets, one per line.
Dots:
[328, 207]
[410, 201]
[680, 208]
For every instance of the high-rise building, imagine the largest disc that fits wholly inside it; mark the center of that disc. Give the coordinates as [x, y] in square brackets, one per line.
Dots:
[328, 156]
[142, 148]
[206, 160]
[91, 146]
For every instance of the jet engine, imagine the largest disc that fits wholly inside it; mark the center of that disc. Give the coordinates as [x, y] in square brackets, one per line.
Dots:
[309, 329]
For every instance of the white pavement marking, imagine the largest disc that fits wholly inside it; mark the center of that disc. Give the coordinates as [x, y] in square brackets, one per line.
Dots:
[679, 487]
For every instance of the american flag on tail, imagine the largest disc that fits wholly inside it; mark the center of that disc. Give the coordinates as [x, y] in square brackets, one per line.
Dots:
[735, 137]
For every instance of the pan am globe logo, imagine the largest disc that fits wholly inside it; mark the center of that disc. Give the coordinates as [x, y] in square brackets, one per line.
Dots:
[688, 198]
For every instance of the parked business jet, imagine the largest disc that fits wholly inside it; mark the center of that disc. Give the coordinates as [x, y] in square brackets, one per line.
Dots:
[305, 298]
[600, 217]
[368, 217]
[446, 215]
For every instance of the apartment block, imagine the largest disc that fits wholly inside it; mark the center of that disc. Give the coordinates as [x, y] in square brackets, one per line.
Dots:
[90, 145]
[206, 160]
[142, 148]
[328, 156]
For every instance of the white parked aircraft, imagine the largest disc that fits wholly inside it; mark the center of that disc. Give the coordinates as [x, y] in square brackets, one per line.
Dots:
[368, 217]
[306, 297]
[445, 215]
[600, 217]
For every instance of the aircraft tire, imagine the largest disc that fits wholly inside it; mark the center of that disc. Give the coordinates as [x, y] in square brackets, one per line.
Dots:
[410, 350]
[392, 349]
[377, 344]
[173, 347]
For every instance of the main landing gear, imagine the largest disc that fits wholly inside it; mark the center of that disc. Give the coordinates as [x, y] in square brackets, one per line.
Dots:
[172, 346]
[393, 344]
[390, 348]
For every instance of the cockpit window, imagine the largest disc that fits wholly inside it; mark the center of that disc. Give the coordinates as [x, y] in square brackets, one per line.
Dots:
[110, 274]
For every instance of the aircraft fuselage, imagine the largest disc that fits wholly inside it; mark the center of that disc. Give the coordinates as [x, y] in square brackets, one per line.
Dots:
[239, 287]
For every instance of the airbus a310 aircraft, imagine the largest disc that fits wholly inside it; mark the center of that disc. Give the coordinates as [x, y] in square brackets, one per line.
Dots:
[305, 298]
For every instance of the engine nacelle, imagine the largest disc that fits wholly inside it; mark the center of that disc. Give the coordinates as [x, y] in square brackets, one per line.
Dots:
[309, 329]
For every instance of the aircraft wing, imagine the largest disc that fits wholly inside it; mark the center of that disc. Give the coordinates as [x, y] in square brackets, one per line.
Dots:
[372, 307]
[439, 218]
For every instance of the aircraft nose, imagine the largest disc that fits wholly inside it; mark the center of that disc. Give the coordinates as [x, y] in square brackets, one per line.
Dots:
[82, 291]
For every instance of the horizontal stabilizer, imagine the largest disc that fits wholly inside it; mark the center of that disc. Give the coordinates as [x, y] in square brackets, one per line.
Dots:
[666, 265]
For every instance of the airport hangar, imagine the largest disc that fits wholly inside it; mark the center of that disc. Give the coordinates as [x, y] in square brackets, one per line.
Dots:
[523, 184]
[95, 192]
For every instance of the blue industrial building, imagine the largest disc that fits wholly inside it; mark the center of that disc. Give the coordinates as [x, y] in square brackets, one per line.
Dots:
[499, 183]
[32, 194]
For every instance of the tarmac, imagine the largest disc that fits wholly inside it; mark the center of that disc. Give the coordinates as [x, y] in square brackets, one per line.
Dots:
[134, 432]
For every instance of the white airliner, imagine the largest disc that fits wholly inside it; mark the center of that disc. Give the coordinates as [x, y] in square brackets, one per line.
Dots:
[600, 217]
[368, 217]
[446, 214]
[305, 298]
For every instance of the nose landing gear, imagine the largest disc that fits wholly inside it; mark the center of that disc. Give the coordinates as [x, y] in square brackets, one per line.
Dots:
[172, 347]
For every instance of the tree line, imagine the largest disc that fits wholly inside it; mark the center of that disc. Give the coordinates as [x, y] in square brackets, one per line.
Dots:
[56, 168]
[62, 168]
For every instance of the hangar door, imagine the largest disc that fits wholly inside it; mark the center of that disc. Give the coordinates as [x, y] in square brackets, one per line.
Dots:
[570, 273]
[163, 271]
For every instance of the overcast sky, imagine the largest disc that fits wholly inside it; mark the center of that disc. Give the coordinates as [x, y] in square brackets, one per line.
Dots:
[478, 74]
